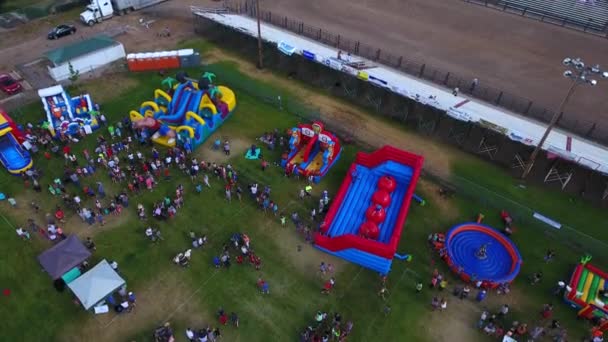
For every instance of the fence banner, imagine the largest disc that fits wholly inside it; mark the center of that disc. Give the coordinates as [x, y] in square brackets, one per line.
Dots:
[561, 153]
[334, 63]
[378, 82]
[459, 114]
[286, 48]
[362, 75]
[349, 70]
[515, 136]
[308, 55]
[490, 125]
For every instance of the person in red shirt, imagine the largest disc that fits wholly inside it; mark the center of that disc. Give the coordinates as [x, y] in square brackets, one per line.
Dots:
[547, 311]
[223, 318]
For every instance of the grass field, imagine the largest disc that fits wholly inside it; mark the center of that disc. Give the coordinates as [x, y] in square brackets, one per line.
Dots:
[190, 297]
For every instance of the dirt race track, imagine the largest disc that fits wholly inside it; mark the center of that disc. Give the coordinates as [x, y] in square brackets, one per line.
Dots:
[518, 55]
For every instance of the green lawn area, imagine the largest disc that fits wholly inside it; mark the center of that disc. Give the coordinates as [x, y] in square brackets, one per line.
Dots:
[190, 297]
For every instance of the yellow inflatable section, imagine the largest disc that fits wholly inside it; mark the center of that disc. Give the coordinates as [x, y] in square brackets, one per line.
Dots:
[135, 116]
[206, 103]
[227, 97]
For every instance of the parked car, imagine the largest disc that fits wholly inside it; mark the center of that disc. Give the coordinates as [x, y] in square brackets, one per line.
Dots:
[9, 85]
[61, 30]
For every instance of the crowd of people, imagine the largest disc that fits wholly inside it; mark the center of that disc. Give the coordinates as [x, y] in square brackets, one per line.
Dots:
[327, 327]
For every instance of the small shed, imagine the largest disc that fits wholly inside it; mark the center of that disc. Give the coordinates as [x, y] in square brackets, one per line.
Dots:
[96, 284]
[84, 56]
[63, 257]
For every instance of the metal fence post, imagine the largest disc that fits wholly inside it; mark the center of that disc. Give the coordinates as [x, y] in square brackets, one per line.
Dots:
[528, 108]
[338, 41]
[378, 54]
[320, 34]
[399, 61]
[591, 130]
[421, 72]
[447, 77]
[499, 98]
[301, 27]
[357, 47]
[285, 22]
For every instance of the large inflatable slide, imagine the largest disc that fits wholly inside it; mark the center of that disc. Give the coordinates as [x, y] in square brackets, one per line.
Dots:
[312, 151]
[68, 115]
[186, 117]
[366, 218]
[12, 154]
[588, 292]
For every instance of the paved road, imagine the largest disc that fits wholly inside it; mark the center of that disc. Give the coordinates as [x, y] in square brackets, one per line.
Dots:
[519, 55]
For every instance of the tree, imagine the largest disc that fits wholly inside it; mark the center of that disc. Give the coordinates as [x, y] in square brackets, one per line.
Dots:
[74, 74]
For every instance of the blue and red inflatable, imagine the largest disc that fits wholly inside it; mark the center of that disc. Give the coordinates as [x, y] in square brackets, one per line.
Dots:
[365, 221]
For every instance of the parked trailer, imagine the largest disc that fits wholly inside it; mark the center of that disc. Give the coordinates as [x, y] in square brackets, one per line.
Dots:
[100, 10]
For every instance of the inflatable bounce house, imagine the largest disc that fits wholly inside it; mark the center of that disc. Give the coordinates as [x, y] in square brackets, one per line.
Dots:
[187, 114]
[479, 253]
[588, 292]
[312, 151]
[13, 156]
[365, 220]
[67, 115]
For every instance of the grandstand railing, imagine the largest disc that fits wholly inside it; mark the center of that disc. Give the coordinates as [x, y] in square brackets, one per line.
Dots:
[495, 96]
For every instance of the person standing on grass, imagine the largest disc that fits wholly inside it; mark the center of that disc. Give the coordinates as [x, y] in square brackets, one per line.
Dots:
[228, 193]
[504, 310]
[547, 311]
[481, 295]
[482, 319]
[383, 293]
[419, 287]
[206, 180]
[227, 147]
[264, 164]
[328, 286]
[190, 335]
[443, 304]
[302, 194]
[234, 319]
[313, 214]
[283, 220]
[549, 255]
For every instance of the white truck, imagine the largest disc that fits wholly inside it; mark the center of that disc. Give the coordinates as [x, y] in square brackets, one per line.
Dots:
[99, 10]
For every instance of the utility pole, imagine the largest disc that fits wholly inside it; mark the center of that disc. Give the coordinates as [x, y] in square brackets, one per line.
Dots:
[260, 54]
[579, 75]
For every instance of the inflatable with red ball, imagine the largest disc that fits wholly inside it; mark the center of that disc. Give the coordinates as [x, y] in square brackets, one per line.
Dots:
[375, 213]
[369, 230]
[387, 183]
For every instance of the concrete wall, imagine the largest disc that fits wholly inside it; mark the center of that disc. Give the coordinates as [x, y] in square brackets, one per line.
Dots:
[88, 63]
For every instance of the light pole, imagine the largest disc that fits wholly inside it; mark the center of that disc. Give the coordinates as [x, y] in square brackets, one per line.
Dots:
[260, 55]
[579, 74]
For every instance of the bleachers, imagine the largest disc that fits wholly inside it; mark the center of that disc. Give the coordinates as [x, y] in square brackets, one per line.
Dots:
[589, 14]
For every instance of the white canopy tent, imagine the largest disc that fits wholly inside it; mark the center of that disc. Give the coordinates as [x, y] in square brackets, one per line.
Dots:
[94, 285]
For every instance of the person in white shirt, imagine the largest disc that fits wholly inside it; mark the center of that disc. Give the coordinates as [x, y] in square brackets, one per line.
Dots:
[190, 335]
[149, 232]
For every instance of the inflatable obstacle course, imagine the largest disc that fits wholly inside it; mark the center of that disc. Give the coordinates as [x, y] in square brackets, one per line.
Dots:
[13, 156]
[68, 115]
[312, 151]
[365, 220]
[187, 114]
[587, 291]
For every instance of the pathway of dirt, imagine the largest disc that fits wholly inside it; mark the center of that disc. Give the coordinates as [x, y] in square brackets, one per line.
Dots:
[368, 129]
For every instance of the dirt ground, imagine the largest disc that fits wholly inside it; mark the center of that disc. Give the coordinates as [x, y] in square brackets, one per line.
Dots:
[521, 56]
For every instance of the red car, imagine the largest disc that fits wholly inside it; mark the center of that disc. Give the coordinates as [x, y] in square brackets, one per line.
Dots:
[9, 85]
